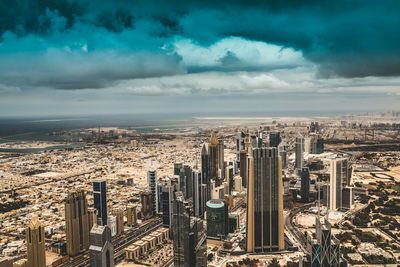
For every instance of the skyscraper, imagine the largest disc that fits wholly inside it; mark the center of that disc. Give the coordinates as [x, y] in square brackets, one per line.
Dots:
[131, 214]
[199, 194]
[35, 244]
[299, 152]
[305, 185]
[213, 158]
[274, 139]
[217, 218]
[189, 236]
[243, 167]
[147, 203]
[329, 255]
[101, 249]
[229, 178]
[152, 185]
[265, 201]
[205, 168]
[187, 170]
[100, 201]
[340, 175]
[221, 158]
[168, 187]
[76, 222]
[239, 145]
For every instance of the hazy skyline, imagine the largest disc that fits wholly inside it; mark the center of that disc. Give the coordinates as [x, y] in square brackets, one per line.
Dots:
[88, 57]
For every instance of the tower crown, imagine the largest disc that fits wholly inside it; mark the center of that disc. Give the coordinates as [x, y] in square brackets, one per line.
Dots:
[213, 139]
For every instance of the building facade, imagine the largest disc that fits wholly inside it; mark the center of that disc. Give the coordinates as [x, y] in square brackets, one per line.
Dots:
[35, 244]
[265, 202]
[76, 222]
[100, 201]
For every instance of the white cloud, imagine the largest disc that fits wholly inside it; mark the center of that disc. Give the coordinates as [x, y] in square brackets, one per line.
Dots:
[251, 54]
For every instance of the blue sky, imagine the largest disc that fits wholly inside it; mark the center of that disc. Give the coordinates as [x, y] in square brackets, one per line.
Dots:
[90, 57]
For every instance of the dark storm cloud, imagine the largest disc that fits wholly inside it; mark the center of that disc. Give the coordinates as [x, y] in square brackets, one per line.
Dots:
[74, 44]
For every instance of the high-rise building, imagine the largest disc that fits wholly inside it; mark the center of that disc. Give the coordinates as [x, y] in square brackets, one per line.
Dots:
[299, 152]
[217, 218]
[274, 139]
[305, 184]
[101, 249]
[131, 215]
[243, 167]
[199, 194]
[213, 158]
[265, 201]
[205, 168]
[187, 171]
[221, 158]
[189, 236]
[177, 167]
[168, 187]
[283, 155]
[119, 216]
[100, 201]
[35, 244]
[92, 217]
[239, 145]
[229, 178]
[147, 204]
[76, 222]
[152, 185]
[329, 247]
[340, 176]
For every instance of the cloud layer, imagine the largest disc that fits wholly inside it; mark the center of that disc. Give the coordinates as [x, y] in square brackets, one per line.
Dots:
[176, 47]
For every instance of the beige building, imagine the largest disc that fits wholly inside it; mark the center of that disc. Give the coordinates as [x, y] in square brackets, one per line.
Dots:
[21, 263]
[35, 244]
[131, 215]
[76, 222]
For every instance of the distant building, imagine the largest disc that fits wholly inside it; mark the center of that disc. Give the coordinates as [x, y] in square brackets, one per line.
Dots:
[305, 185]
[100, 201]
[199, 194]
[35, 244]
[152, 185]
[167, 188]
[131, 214]
[189, 236]
[119, 216]
[239, 146]
[243, 167]
[237, 183]
[217, 218]
[299, 146]
[205, 169]
[229, 178]
[76, 222]
[92, 217]
[221, 158]
[187, 172]
[324, 249]
[101, 249]
[274, 139]
[265, 202]
[340, 176]
[147, 203]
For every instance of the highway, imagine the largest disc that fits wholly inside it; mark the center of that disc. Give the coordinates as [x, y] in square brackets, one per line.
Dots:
[120, 243]
[300, 239]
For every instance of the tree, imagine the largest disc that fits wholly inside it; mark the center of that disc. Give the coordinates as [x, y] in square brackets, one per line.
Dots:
[274, 263]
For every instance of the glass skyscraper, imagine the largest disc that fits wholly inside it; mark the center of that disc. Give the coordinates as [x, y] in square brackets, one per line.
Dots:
[100, 201]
